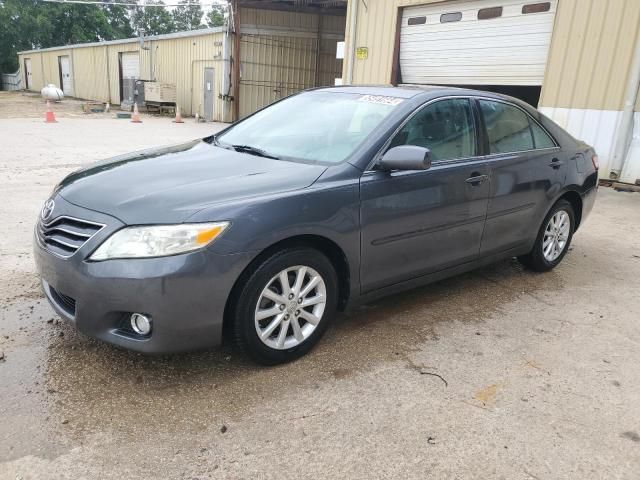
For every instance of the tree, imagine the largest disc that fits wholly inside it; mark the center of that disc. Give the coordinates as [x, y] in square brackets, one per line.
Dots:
[188, 15]
[153, 20]
[30, 24]
[119, 21]
[215, 16]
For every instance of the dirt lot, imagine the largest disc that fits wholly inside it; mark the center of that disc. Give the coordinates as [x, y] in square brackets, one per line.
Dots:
[537, 374]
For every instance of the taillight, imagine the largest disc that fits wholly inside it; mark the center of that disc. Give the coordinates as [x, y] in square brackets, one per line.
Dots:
[596, 163]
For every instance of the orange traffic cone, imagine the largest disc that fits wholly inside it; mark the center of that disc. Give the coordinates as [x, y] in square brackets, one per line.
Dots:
[49, 117]
[178, 118]
[135, 118]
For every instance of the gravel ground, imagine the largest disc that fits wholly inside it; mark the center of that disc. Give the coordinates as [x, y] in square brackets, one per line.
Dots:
[499, 373]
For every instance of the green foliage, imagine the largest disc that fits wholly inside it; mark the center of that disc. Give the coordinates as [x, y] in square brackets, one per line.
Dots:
[153, 20]
[188, 15]
[215, 17]
[30, 24]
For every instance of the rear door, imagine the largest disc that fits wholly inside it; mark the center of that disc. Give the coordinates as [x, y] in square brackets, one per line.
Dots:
[419, 222]
[527, 172]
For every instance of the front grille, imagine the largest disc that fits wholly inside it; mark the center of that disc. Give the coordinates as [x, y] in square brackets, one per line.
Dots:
[68, 304]
[63, 236]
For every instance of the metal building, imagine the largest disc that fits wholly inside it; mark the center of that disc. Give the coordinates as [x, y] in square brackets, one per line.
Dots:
[578, 61]
[283, 45]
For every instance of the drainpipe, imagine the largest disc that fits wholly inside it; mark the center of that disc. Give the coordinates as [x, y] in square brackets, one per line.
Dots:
[623, 136]
[353, 15]
[226, 73]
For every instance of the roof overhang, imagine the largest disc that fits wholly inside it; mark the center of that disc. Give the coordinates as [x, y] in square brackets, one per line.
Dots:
[329, 7]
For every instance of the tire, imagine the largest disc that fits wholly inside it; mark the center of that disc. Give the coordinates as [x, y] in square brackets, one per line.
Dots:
[537, 259]
[263, 295]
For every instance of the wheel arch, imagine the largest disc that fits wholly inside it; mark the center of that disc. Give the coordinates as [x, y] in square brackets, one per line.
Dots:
[575, 199]
[332, 250]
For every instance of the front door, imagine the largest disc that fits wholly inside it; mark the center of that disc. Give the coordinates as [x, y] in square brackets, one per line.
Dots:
[66, 81]
[209, 94]
[419, 222]
[527, 171]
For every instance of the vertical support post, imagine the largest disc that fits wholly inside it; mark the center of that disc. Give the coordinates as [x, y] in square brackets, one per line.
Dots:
[395, 66]
[316, 82]
[106, 54]
[235, 74]
[353, 25]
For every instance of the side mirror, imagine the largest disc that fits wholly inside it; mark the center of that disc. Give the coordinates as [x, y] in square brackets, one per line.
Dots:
[406, 157]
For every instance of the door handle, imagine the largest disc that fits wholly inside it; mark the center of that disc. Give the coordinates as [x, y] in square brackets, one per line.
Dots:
[555, 164]
[476, 179]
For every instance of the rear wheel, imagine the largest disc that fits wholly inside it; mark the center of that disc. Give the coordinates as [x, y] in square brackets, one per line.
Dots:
[285, 305]
[553, 240]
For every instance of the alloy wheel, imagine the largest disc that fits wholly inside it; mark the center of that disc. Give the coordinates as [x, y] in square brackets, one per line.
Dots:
[290, 307]
[556, 235]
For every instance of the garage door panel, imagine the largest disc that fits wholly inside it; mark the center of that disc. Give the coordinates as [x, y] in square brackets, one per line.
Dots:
[434, 46]
[504, 51]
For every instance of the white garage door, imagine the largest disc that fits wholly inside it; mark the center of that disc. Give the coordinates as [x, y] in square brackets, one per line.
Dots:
[481, 42]
[130, 65]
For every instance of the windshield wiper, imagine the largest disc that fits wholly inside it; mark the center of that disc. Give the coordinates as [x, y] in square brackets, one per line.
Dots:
[254, 151]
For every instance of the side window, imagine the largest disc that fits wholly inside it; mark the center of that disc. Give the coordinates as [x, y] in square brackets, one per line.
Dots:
[508, 127]
[444, 127]
[540, 138]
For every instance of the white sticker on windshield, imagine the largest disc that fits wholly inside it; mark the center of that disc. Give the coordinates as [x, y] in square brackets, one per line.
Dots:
[381, 99]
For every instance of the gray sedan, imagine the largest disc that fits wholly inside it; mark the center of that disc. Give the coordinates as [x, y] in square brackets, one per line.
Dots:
[326, 199]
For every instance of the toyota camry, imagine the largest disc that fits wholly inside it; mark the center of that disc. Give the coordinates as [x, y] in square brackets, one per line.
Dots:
[327, 199]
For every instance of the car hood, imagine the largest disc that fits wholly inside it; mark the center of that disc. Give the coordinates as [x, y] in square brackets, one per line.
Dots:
[170, 184]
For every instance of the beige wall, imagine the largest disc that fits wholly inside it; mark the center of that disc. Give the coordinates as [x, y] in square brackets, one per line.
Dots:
[591, 50]
[588, 61]
[278, 53]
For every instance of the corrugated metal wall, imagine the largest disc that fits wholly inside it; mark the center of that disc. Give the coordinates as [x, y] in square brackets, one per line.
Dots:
[180, 61]
[279, 54]
[590, 54]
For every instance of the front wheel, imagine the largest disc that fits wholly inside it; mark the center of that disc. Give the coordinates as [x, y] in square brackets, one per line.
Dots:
[553, 240]
[285, 305]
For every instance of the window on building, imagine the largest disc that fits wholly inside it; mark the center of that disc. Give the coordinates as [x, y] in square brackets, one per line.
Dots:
[507, 127]
[450, 17]
[417, 21]
[444, 127]
[536, 7]
[487, 13]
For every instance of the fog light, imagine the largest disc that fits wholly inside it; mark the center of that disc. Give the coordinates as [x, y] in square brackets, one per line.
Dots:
[141, 324]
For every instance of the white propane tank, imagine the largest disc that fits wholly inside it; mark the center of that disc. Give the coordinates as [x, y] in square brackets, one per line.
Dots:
[51, 92]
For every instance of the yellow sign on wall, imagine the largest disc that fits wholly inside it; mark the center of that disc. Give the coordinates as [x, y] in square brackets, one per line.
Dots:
[362, 53]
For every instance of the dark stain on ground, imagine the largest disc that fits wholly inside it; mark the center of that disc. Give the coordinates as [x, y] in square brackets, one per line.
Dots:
[633, 436]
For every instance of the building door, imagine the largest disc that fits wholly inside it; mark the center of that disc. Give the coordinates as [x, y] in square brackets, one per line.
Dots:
[66, 80]
[488, 44]
[209, 94]
[27, 74]
[129, 73]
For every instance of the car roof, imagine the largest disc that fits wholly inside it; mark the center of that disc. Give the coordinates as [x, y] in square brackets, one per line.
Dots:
[410, 91]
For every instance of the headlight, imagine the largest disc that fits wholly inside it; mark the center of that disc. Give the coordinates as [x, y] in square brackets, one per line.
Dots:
[158, 240]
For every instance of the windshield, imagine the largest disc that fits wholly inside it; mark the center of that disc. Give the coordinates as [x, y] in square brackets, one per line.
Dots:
[323, 127]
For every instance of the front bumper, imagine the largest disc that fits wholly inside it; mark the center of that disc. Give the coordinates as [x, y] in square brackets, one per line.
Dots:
[185, 295]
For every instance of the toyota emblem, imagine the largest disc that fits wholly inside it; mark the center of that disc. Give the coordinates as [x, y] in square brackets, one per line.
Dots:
[47, 209]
